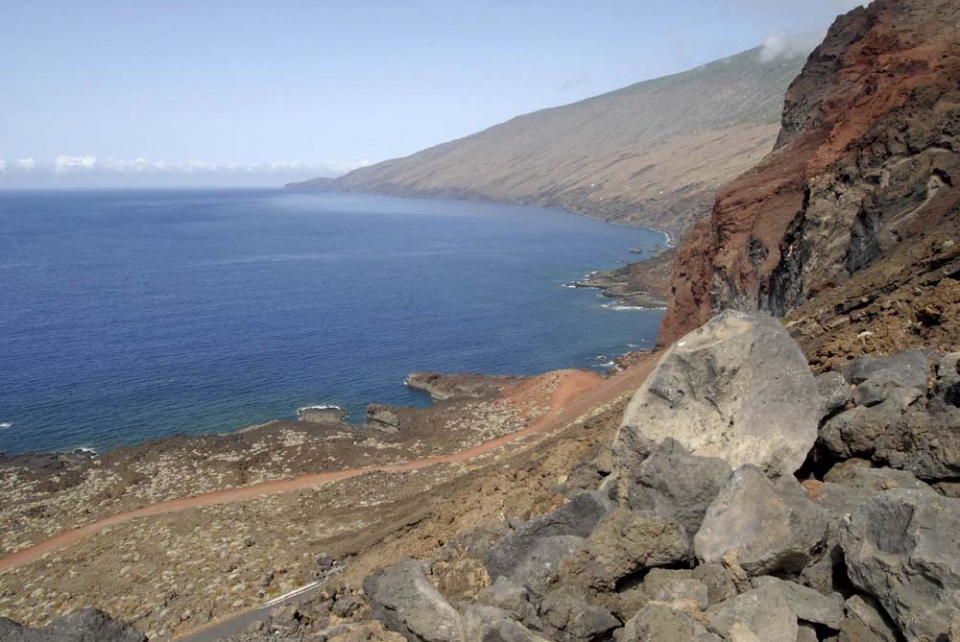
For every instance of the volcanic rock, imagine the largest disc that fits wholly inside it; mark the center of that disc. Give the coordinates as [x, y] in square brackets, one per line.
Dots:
[737, 388]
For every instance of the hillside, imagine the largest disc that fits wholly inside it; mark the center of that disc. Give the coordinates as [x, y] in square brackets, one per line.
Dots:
[652, 154]
[849, 228]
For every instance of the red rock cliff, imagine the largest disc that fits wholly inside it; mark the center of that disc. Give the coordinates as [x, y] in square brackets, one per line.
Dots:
[861, 195]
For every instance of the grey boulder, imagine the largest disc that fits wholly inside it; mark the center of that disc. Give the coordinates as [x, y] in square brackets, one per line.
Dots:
[627, 542]
[902, 548]
[835, 392]
[531, 555]
[676, 586]
[569, 617]
[737, 388]
[84, 625]
[673, 483]
[404, 600]
[761, 614]
[808, 604]
[660, 623]
[490, 624]
[768, 528]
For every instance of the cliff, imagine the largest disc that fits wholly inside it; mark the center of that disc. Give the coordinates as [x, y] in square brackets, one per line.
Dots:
[652, 154]
[849, 224]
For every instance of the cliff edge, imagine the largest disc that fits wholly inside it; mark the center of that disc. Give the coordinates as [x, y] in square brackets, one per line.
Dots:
[850, 223]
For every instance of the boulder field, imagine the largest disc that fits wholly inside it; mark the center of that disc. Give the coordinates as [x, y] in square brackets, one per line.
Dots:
[735, 538]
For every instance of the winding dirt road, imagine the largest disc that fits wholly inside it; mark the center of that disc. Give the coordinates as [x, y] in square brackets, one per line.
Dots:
[578, 392]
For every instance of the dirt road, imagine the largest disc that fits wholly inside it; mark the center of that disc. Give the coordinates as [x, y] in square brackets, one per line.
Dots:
[578, 392]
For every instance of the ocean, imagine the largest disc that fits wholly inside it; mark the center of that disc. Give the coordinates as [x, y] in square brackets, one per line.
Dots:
[131, 315]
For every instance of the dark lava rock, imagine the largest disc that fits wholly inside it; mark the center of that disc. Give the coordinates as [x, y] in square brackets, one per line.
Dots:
[901, 547]
[85, 625]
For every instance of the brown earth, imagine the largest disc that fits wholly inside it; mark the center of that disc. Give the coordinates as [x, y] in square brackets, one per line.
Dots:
[849, 226]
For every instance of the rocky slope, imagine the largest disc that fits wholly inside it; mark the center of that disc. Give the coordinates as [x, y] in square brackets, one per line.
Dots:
[743, 499]
[849, 226]
[650, 154]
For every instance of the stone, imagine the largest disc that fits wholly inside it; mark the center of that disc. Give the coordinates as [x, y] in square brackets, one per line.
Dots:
[360, 632]
[322, 414]
[737, 388]
[627, 542]
[573, 619]
[856, 431]
[673, 483]
[511, 598]
[719, 581]
[901, 547]
[808, 604]
[873, 480]
[835, 392]
[947, 385]
[770, 528]
[924, 443]
[382, 418]
[807, 633]
[762, 612]
[667, 585]
[490, 624]
[908, 369]
[660, 623]
[531, 555]
[866, 612]
[84, 625]
[403, 599]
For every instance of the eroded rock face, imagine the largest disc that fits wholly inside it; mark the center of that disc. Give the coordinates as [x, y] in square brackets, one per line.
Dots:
[768, 528]
[858, 198]
[902, 548]
[738, 389]
[84, 625]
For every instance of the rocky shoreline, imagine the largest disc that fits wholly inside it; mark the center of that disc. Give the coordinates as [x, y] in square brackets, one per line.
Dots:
[644, 284]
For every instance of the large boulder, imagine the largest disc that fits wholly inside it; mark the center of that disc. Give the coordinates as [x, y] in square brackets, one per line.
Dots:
[531, 555]
[490, 624]
[769, 528]
[762, 613]
[808, 604]
[866, 622]
[673, 483]
[902, 548]
[404, 600]
[569, 617]
[676, 586]
[659, 623]
[84, 625]
[625, 543]
[737, 388]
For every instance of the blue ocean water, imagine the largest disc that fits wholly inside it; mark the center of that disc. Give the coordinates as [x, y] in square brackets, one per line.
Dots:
[130, 315]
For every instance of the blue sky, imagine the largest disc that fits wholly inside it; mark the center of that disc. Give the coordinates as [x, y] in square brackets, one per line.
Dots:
[245, 91]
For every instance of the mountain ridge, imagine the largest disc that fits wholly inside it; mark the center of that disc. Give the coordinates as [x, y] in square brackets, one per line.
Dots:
[651, 154]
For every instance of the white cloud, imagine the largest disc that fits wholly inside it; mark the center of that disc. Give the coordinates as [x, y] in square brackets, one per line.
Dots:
[789, 45]
[67, 165]
[64, 164]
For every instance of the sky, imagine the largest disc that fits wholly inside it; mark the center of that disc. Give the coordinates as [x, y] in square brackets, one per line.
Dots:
[244, 92]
